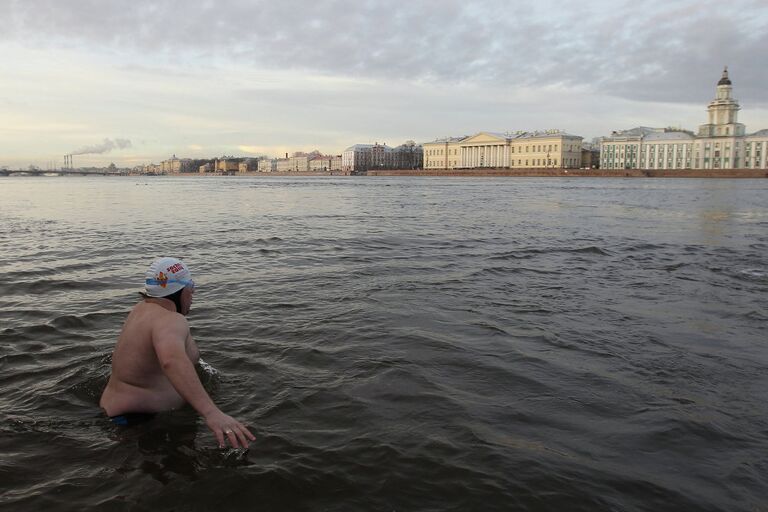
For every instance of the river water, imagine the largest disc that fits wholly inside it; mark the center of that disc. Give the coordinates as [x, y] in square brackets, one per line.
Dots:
[396, 343]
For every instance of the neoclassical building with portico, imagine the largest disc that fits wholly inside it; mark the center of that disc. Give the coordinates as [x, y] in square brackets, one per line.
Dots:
[518, 150]
[721, 143]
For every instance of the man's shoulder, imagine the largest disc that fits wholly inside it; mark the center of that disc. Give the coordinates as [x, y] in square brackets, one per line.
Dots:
[157, 317]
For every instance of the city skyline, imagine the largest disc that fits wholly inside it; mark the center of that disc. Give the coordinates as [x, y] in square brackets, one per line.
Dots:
[136, 85]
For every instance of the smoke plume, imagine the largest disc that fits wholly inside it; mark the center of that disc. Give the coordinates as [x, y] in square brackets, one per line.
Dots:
[105, 147]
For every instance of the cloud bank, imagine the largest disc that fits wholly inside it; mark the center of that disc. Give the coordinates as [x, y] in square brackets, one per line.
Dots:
[652, 51]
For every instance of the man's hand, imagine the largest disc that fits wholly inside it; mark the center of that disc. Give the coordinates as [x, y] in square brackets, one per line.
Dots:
[226, 427]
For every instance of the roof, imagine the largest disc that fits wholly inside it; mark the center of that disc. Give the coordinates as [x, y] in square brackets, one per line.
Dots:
[361, 147]
[669, 136]
[636, 132]
[759, 133]
[545, 134]
[443, 140]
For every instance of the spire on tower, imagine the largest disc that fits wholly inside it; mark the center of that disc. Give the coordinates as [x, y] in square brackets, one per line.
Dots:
[724, 80]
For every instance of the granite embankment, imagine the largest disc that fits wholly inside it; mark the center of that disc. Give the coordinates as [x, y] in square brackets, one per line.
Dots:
[601, 173]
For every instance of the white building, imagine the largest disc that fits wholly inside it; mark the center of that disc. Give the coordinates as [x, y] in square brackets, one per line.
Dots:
[267, 165]
[721, 143]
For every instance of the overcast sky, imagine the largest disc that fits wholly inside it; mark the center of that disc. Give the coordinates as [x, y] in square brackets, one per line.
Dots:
[134, 82]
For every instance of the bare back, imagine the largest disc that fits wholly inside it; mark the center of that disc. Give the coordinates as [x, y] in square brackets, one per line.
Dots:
[138, 383]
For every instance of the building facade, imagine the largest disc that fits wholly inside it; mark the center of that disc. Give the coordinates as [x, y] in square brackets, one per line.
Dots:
[519, 150]
[366, 157]
[267, 165]
[176, 165]
[283, 165]
[248, 165]
[298, 163]
[721, 143]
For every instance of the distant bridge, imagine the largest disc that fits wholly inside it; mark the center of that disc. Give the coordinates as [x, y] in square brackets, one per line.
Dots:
[60, 172]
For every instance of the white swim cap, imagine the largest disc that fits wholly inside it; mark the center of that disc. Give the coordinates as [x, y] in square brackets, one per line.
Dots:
[166, 276]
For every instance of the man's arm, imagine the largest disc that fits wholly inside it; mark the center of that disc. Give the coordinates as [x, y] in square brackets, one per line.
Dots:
[169, 342]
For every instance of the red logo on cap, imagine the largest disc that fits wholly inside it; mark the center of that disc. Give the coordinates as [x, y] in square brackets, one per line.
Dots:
[175, 268]
[162, 279]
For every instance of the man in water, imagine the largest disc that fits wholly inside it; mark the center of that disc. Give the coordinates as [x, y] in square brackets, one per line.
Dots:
[153, 362]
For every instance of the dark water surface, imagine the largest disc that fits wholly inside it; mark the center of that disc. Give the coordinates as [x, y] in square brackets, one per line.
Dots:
[396, 344]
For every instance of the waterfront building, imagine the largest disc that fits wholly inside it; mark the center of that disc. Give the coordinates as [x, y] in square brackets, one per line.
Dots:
[408, 155]
[518, 150]
[226, 165]
[360, 157]
[298, 163]
[248, 165]
[590, 155]
[283, 165]
[325, 163]
[321, 163]
[443, 153]
[364, 157]
[721, 143]
[176, 165]
[152, 169]
[756, 150]
[267, 165]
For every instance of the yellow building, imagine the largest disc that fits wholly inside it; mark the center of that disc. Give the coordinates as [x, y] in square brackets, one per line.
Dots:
[298, 163]
[519, 150]
[226, 166]
[443, 153]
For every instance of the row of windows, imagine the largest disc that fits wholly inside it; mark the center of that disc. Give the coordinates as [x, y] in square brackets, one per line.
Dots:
[537, 162]
[536, 148]
[706, 163]
[652, 147]
[439, 164]
[534, 162]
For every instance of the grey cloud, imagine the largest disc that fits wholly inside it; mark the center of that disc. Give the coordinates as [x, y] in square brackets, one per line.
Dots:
[651, 50]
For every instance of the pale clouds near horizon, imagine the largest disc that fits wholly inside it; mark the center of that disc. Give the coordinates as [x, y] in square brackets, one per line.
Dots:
[202, 78]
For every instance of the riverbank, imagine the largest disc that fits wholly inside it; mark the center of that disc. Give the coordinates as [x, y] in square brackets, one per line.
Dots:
[595, 173]
[473, 173]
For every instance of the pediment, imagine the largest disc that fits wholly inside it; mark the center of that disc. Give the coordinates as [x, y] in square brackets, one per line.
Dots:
[484, 138]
